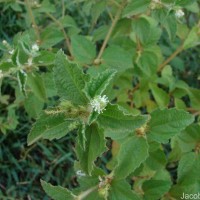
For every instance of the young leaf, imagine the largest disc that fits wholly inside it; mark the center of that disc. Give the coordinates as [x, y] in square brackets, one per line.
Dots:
[117, 124]
[50, 127]
[57, 192]
[83, 49]
[22, 78]
[132, 153]
[99, 84]
[164, 124]
[95, 145]
[69, 80]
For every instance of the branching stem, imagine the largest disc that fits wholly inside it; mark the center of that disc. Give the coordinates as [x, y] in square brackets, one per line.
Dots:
[63, 30]
[114, 22]
[32, 18]
[170, 58]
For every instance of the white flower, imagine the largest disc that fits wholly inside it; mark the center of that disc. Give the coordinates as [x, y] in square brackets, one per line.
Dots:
[156, 1]
[30, 61]
[35, 47]
[99, 103]
[1, 74]
[179, 13]
[11, 51]
[80, 173]
[4, 42]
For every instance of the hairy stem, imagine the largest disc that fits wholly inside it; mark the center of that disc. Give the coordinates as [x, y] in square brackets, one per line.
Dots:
[114, 22]
[32, 18]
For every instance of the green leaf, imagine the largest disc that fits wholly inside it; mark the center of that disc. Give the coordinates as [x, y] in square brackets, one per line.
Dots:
[50, 127]
[120, 190]
[161, 97]
[188, 169]
[99, 84]
[51, 36]
[94, 138]
[156, 160]
[194, 95]
[136, 7]
[149, 60]
[36, 83]
[44, 58]
[46, 7]
[83, 49]
[155, 189]
[22, 78]
[192, 39]
[33, 106]
[170, 24]
[117, 124]
[132, 153]
[117, 58]
[69, 80]
[164, 124]
[57, 192]
[146, 30]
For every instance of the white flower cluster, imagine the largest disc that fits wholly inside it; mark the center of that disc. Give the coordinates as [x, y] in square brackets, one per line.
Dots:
[99, 103]
[154, 4]
[1, 74]
[179, 13]
[80, 173]
[35, 47]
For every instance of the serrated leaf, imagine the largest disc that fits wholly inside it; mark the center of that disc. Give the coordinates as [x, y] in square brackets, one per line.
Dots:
[132, 153]
[51, 36]
[50, 127]
[94, 138]
[22, 78]
[188, 169]
[156, 160]
[194, 95]
[117, 58]
[98, 85]
[161, 97]
[120, 190]
[81, 139]
[92, 117]
[170, 24]
[83, 49]
[117, 124]
[57, 192]
[164, 124]
[192, 39]
[36, 83]
[136, 7]
[146, 30]
[69, 80]
[155, 189]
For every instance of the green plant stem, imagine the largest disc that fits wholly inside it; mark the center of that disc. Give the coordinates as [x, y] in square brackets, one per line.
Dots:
[114, 22]
[63, 8]
[32, 18]
[63, 30]
[170, 58]
[86, 193]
